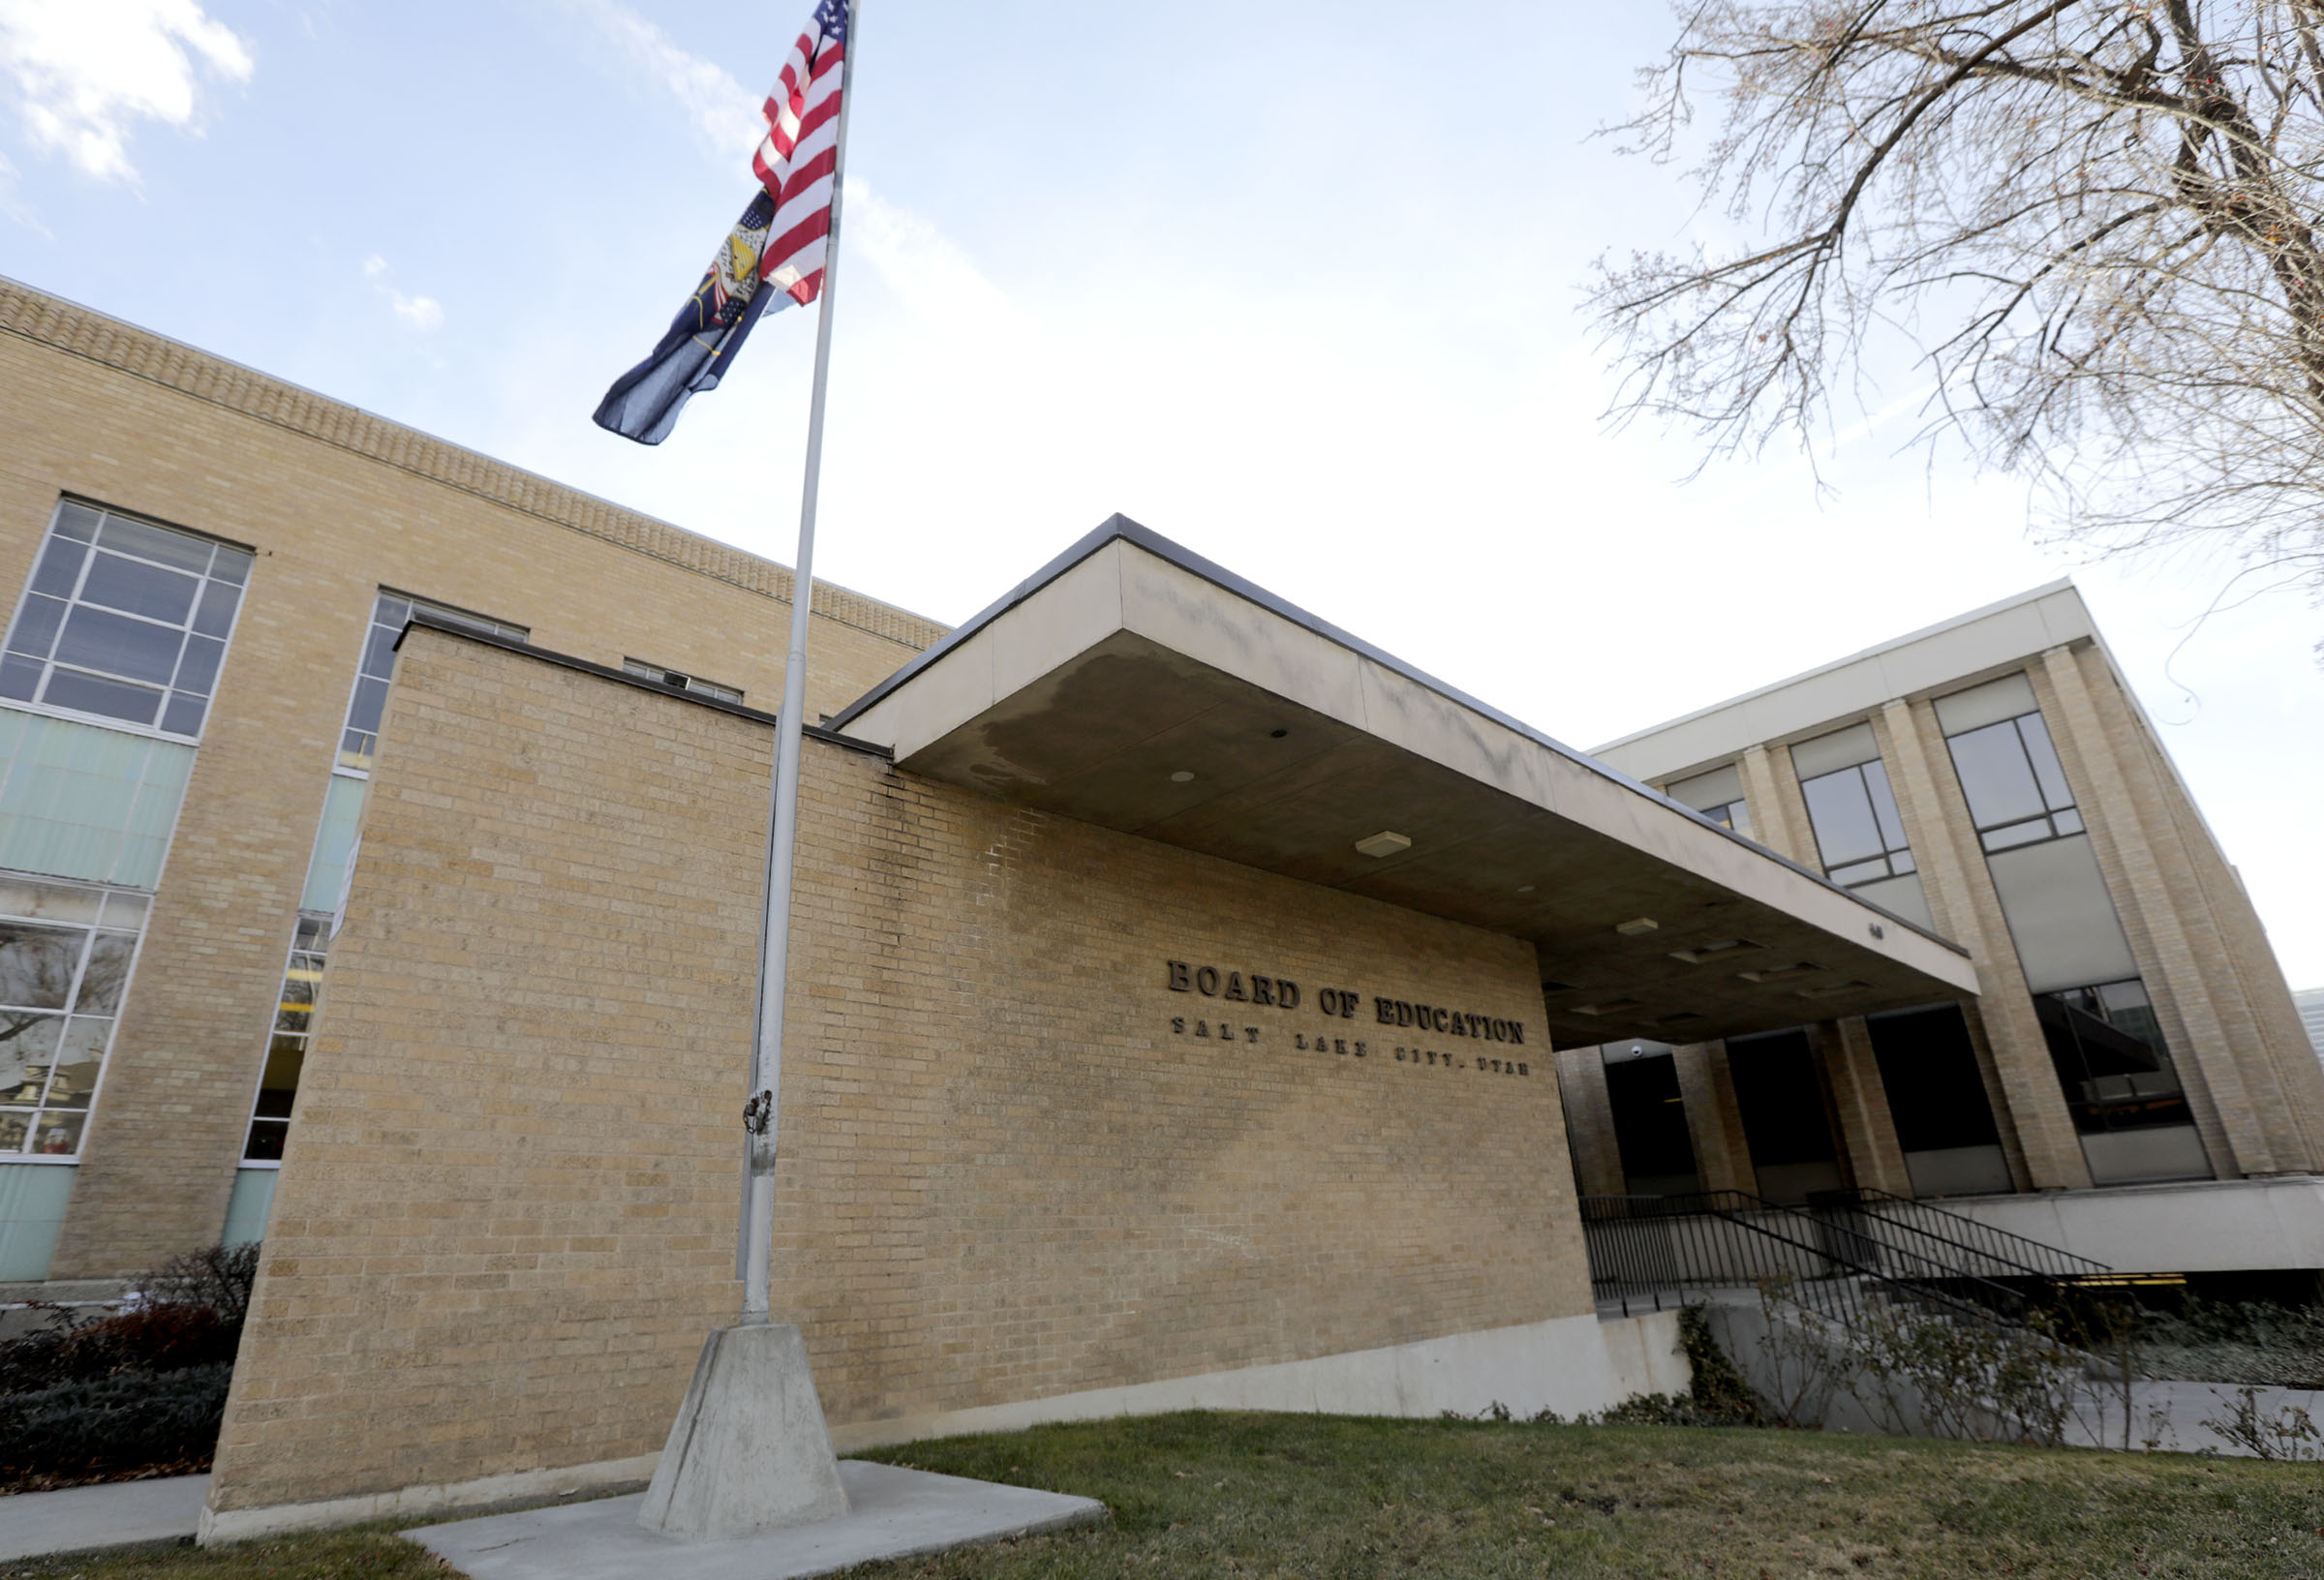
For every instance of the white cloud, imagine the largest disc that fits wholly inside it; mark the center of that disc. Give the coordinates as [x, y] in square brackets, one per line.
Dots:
[87, 73]
[420, 312]
[724, 113]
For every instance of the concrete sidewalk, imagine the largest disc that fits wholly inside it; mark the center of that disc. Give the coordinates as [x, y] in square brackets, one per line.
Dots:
[115, 1514]
[892, 1513]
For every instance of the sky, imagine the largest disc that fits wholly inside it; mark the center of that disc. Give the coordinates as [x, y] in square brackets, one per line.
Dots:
[1276, 281]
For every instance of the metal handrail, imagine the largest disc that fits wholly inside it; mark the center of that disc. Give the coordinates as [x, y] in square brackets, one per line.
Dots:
[2063, 1263]
[1692, 1252]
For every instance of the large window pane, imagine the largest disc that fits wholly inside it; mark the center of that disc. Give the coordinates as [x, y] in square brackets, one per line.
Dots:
[110, 699]
[102, 631]
[1995, 776]
[1845, 830]
[51, 1059]
[114, 644]
[141, 589]
[37, 964]
[2110, 1057]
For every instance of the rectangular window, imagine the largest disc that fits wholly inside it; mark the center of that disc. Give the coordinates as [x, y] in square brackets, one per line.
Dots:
[286, 1047]
[66, 952]
[2014, 785]
[125, 620]
[1858, 833]
[2111, 1059]
[681, 679]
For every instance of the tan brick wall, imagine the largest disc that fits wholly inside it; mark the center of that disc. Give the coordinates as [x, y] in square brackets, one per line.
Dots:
[506, 1215]
[338, 503]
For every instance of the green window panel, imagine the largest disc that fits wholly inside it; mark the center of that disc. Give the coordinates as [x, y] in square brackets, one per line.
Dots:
[32, 1212]
[80, 801]
[334, 844]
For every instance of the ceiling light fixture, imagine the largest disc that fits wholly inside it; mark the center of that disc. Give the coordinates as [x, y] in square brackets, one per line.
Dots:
[1524, 887]
[1636, 926]
[1387, 842]
[1183, 776]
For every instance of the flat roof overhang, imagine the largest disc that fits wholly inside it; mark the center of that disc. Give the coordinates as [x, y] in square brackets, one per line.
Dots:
[1128, 662]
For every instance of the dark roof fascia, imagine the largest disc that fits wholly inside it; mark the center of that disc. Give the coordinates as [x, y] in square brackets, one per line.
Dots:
[622, 677]
[1121, 527]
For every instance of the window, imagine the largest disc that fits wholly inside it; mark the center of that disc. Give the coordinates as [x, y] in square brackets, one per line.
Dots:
[124, 620]
[682, 681]
[65, 956]
[2014, 784]
[389, 617]
[2111, 1058]
[1717, 795]
[1857, 830]
[287, 1052]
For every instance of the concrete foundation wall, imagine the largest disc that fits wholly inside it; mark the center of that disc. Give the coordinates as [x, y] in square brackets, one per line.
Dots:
[1016, 1166]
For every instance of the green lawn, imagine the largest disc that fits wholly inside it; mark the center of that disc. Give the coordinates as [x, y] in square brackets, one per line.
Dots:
[1247, 1495]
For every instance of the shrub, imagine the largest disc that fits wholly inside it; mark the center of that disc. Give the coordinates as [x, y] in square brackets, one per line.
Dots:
[96, 1428]
[186, 1313]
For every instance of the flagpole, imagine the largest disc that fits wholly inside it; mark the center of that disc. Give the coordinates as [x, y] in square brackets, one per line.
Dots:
[756, 1250]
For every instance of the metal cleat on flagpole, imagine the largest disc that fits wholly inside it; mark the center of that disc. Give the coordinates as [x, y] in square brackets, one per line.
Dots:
[750, 1450]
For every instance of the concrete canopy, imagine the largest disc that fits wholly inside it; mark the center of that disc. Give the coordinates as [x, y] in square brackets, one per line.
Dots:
[1136, 686]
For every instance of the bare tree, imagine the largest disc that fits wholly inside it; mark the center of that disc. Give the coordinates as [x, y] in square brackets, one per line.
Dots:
[2098, 222]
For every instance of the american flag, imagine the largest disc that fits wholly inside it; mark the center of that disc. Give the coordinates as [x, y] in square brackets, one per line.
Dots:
[781, 241]
[799, 156]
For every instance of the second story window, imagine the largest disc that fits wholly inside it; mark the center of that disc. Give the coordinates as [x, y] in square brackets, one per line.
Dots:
[2014, 785]
[124, 621]
[1858, 833]
[1717, 795]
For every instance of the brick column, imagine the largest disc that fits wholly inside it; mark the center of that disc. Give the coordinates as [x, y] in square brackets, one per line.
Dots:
[2037, 1132]
[2150, 877]
[1779, 815]
[1866, 1133]
[1590, 1120]
[1715, 1125]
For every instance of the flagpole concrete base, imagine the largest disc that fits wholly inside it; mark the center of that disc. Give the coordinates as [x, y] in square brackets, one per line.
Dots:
[749, 1451]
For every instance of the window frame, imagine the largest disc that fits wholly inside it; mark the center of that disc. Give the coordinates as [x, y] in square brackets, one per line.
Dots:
[1895, 860]
[33, 1113]
[2057, 822]
[49, 665]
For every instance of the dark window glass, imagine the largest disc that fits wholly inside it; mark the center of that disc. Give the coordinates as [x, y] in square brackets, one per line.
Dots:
[1929, 1070]
[198, 670]
[113, 699]
[1650, 1120]
[122, 612]
[156, 543]
[117, 645]
[2014, 785]
[2111, 1061]
[1779, 1100]
[36, 628]
[139, 589]
[216, 616]
[59, 568]
[1845, 830]
[1858, 830]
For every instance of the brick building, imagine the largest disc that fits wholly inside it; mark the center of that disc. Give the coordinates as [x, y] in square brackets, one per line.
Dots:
[2132, 1046]
[1191, 1002]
